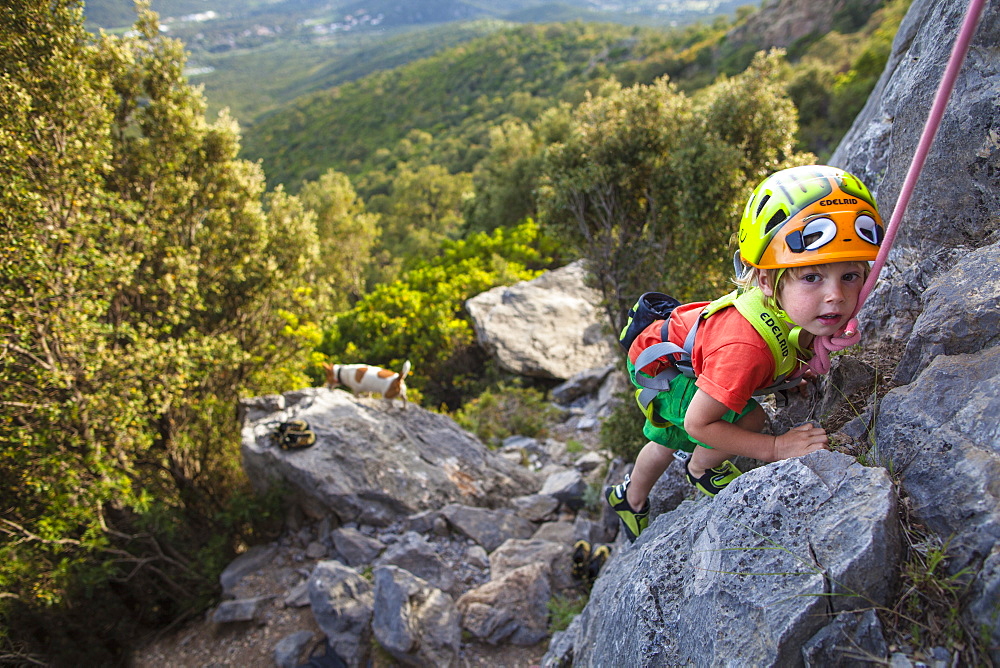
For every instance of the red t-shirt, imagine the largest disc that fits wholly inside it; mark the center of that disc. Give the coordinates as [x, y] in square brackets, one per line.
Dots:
[731, 360]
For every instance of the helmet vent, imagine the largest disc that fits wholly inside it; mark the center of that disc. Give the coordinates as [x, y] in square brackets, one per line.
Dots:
[763, 201]
[777, 219]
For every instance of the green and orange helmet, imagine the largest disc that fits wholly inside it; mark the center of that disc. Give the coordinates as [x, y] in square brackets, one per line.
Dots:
[809, 215]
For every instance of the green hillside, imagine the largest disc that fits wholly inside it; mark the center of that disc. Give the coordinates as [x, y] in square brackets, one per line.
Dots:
[257, 55]
[394, 13]
[254, 82]
[455, 96]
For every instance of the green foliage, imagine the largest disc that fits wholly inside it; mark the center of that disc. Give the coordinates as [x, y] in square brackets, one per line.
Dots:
[931, 597]
[456, 96]
[421, 316]
[347, 235]
[146, 283]
[563, 608]
[421, 211]
[650, 184]
[838, 71]
[255, 81]
[621, 432]
[506, 411]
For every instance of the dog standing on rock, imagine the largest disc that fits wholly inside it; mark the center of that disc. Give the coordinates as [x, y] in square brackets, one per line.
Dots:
[370, 379]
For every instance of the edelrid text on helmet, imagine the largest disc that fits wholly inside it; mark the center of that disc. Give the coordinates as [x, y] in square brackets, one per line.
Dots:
[809, 215]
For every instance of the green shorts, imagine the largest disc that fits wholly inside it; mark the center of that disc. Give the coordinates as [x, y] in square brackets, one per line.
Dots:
[668, 410]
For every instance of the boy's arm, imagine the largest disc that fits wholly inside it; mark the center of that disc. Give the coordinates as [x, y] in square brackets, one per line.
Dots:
[704, 422]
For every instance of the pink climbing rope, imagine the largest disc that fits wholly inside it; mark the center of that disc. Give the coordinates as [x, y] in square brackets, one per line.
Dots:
[824, 345]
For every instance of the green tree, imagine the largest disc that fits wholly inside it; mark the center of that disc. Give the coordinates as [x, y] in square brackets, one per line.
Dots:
[423, 209]
[650, 184]
[146, 283]
[347, 233]
[600, 186]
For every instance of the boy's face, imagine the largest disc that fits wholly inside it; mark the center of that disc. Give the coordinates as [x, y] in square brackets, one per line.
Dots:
[820, 299]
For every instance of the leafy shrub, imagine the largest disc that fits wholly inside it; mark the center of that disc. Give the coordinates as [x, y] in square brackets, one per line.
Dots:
[506, 411]
[421, 317]
[621, 432]
[563, 608]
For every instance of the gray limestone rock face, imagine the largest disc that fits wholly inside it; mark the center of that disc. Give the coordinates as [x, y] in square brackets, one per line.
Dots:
[549, 327]
[848, 639]
[749, 577]
[961, 313]
[941, 436]
[374, 464]
[414, 621]
[955, 206]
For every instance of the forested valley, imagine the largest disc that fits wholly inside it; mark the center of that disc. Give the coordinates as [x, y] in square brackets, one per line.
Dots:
[159, 262]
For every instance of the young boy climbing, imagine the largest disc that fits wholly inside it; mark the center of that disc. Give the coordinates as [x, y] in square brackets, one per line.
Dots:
[805, 241]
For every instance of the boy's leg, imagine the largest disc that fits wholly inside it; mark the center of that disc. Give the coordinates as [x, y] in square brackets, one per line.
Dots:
[708, 468]
[652, 461]
[630, 499]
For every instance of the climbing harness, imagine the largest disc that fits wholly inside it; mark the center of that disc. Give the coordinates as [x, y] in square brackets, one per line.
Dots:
[782, 341]
[824, 345]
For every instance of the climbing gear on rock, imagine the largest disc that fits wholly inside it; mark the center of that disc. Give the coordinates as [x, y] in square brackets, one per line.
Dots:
[581, 559]
[588, 561]
[294, 435]
[715, 479]
[598, 557]
[634, 522]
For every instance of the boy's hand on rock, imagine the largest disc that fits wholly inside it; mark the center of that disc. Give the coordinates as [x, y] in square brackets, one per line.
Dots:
[800, 440]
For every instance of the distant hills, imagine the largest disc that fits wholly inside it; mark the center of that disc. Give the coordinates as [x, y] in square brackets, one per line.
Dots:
[253, 56]
[396, 13]
[454, 96]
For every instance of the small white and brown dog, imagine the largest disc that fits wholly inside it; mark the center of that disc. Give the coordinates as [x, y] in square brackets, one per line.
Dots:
[367, 378]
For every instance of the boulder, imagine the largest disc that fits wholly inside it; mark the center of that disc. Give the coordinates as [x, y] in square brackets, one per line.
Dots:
[414, 621]
[516, 552]
[488, 528]
[243, 565]
[568, 486]
[414, 554]
[513, 608]
[342, 603]
[549, 327]
[749, 577]
[239, 610]
[289, 649]
[356, 548]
